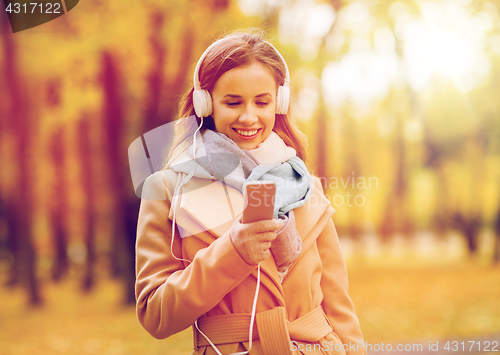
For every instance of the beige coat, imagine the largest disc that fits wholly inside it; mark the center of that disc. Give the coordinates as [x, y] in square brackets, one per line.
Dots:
[218, 286]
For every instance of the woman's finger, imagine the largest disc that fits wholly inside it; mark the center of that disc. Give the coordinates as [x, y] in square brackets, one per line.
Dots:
[271, 225]
[265, 237]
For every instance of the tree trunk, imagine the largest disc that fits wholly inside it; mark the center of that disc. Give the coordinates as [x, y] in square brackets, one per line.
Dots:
[322, 148]
[496, 247]
[176, 86]
[469, 226]
[85, 153]
[20, 235]
[120, 186]
[155, 77]
[59, 207]
[395, 218]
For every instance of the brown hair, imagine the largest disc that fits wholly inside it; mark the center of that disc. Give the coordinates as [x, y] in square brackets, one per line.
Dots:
[239, 48]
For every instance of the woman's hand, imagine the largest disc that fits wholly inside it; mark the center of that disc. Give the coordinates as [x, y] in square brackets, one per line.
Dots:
[253, 240]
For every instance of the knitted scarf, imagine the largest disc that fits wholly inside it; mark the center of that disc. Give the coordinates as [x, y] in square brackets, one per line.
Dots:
[271, 160]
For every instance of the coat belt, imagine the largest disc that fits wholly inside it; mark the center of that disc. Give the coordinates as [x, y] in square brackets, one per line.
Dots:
[274, 331]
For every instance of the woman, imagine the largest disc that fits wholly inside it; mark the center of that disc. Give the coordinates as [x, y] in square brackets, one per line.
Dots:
[270, 287]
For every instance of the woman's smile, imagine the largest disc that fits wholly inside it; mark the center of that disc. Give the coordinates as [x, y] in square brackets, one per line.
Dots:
[244, 104]
[247, 134]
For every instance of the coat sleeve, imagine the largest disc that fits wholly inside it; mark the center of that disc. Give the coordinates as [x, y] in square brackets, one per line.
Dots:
[336, 301]
[171, 296]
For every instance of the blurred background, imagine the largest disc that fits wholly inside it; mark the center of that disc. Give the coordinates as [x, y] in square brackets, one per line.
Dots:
[400, 101]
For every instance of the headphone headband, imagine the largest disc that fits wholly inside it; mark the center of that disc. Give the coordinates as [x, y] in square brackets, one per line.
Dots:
[202, 101]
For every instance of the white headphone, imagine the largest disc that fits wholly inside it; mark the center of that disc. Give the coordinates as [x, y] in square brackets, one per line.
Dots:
[202, 101]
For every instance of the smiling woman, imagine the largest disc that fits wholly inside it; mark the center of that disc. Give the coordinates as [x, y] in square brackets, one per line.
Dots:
[246, 288]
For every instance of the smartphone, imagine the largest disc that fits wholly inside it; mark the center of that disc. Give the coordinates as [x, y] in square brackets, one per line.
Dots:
[259, 199]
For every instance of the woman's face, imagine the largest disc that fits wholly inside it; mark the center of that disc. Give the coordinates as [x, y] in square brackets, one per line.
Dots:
[244, 104]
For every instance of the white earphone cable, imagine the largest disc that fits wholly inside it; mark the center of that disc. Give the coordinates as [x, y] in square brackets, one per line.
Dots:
[176, 193]
[252, 321]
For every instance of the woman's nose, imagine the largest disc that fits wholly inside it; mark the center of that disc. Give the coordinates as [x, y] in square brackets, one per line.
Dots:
[249, 116]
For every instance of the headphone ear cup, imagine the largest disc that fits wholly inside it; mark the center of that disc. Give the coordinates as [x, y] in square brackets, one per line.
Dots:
[202, 102]
[282, 100]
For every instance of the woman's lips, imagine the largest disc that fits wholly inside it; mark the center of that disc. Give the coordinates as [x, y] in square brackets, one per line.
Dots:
[247, 133]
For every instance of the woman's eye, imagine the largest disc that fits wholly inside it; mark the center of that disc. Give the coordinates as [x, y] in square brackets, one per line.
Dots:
[233, 104]
[262, 103]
